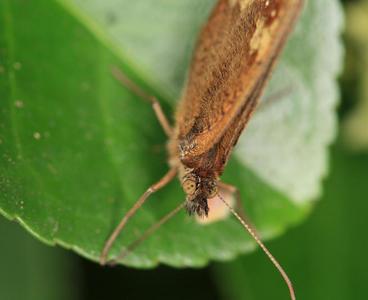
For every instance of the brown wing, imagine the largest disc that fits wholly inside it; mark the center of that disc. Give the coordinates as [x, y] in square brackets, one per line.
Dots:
[232, 61]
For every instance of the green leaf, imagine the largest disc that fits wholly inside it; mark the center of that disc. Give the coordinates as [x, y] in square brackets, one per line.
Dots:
[78, 149]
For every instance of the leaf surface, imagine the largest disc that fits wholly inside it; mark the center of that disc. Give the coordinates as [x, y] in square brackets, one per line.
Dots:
[78, 149]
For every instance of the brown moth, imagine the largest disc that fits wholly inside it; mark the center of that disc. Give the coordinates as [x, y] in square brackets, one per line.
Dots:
[232, 62]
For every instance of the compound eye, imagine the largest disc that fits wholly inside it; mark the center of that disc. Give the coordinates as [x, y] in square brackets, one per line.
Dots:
[213, 192]
[189, 186]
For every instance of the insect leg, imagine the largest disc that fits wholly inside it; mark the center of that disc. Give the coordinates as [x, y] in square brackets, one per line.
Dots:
[131, 212]
[275, 97]
[125, 81]
[146, 234]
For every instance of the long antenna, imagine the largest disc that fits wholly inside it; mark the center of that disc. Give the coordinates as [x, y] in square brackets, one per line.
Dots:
[263, 247]
[131, 212]
[146, 234]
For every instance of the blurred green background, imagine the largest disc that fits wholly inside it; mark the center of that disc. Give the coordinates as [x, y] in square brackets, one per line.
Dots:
[325, 256]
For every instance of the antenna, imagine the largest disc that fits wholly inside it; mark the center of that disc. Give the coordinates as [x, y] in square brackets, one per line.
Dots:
[132, 211]
[146, 234]
[263, 247]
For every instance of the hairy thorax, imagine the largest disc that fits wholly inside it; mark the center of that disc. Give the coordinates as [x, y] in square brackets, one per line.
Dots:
[197, 178]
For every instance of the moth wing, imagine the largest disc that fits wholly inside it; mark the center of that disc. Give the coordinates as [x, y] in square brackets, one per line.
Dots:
[233, 58]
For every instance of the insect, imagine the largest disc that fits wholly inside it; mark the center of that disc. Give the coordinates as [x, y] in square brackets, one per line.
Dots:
[232, 62]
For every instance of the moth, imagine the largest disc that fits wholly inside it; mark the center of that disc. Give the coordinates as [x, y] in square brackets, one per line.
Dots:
[235, 54]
